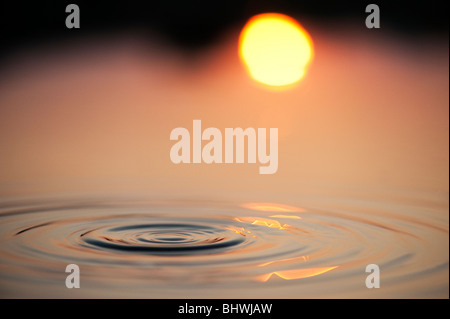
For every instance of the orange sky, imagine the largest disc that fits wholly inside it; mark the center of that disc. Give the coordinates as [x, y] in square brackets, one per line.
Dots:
[371, 113]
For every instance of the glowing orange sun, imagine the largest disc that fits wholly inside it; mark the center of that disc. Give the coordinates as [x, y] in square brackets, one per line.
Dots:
[275, 49]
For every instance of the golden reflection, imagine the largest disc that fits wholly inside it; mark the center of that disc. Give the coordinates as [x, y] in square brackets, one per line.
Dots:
[272, 207]
[295, 273]
[271, 223]
[240, 230]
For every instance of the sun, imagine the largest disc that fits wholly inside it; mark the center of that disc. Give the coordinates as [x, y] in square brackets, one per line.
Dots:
[275, 49]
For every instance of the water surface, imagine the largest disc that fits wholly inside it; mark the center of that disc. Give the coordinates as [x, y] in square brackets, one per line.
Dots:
[206, 249]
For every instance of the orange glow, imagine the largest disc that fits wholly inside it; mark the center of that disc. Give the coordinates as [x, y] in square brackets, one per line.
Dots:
[295, 273]
[273, 207]
[262, 222]
[275, 49]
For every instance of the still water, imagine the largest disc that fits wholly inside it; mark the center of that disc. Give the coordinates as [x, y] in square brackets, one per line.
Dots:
[152, 248]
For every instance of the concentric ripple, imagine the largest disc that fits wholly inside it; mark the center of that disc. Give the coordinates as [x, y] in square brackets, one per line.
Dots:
[163, 238]
[206, 249]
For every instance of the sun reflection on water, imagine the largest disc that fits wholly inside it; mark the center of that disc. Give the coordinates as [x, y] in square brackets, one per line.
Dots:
[272, 207]
[296, 273]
